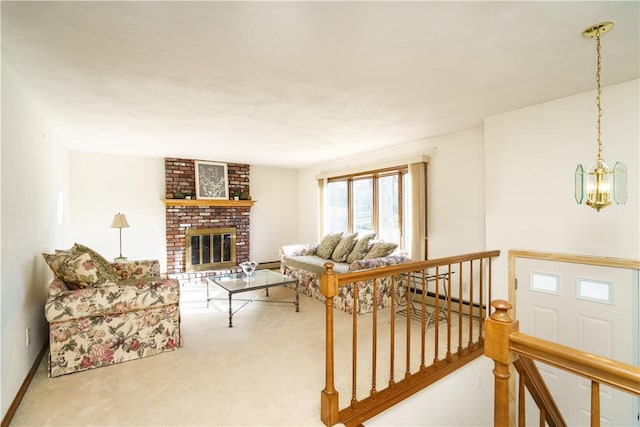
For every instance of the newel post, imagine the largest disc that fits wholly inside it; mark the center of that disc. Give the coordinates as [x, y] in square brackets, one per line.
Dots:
[498, 329]
[329, 396]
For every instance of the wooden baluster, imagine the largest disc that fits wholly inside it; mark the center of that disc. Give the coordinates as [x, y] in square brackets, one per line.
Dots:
[470, 343]
[489, 286]
[436, 315]
[354, 346]
[374, 340]
[480, 314]
[522, 419]
[329, 396]
[460, 308]
[448, 292]
[595, 404]
[499, 327]
[423, 317]
[409, 299]
[407, 370]
[392, 337]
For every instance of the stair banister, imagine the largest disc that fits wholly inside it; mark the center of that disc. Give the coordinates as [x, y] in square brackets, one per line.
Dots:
[498, 330]
[329, 405]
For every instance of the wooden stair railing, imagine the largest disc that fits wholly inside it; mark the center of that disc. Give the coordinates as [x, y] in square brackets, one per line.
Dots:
[461, 307]
[506, 346]
[529, 377]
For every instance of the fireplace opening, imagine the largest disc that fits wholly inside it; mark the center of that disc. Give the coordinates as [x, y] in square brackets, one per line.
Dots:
[210, 248]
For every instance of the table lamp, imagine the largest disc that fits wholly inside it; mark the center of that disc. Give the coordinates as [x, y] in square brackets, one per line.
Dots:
[120, 222]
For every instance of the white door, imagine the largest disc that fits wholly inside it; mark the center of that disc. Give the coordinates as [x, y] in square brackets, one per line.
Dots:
[590, 308]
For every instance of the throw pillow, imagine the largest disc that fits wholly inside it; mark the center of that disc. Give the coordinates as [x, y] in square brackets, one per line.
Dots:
[78, 272]
[344, 247]
[380, 249]
[328, 244]
[54, 261]
[360, 249]
[104, 268]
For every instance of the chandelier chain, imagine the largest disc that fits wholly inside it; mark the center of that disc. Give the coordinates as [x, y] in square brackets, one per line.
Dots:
[599, 91]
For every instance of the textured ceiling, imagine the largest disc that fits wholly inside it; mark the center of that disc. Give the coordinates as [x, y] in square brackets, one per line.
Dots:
[295, 83]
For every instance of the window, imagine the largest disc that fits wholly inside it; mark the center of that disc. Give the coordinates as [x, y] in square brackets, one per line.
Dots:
[337, 214]
[362, 206]
[594, 290]
[368, 202]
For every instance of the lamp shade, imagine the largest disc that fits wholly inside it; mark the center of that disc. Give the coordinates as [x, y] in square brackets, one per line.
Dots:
[119, 221]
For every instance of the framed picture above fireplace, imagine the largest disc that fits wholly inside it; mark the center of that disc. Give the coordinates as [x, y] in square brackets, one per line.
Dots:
[212, 181]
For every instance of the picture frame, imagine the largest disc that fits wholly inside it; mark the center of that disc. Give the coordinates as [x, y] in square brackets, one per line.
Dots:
[212, 180]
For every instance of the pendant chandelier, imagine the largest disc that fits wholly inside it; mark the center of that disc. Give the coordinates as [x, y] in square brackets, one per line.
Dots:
[599, 186]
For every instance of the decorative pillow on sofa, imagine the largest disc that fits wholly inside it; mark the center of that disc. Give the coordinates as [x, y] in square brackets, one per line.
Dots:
[328, 244]
[80, 267]
[344, 248]
[105, 269]
[79, 271]
[361, 248]
[380, 249]
[54, 261]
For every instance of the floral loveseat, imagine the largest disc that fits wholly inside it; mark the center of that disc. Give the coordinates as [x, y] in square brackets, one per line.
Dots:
[306, 263]
[103, 313]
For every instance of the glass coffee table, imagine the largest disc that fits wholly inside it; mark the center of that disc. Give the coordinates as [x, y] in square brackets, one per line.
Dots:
[236, 283]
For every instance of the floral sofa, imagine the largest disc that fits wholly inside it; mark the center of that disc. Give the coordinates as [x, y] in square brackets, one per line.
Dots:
[303, 262]
[103, 313]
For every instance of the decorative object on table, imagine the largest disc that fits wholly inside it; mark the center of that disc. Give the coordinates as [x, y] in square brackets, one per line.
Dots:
[248, 267]
[178, 194]
[187, 194]
[601, 184]
[120, 222]
[211, 180]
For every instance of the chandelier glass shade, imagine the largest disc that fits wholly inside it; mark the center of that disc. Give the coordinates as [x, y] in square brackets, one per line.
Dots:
[600, 186]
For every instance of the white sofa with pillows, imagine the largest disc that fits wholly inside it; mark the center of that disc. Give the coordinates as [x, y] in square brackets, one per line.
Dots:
[347, 252]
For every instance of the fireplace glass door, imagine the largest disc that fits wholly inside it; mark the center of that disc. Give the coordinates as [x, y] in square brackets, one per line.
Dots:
[210, 249]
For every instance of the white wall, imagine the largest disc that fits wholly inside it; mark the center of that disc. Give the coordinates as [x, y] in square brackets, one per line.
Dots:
[530, 158]
[463, 398]
[455, 187]
[274, 216]
[34, 218]
[104, 184]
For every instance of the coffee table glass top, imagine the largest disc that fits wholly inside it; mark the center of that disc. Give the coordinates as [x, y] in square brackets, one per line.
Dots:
[260, 279]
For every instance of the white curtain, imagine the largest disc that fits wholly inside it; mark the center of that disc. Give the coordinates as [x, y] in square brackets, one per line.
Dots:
[417, 242]
[321, 204]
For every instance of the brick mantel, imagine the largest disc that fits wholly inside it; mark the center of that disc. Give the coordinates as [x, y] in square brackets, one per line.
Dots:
[189, 214]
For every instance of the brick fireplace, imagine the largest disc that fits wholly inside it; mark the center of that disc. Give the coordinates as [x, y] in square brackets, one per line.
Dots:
[211, 214]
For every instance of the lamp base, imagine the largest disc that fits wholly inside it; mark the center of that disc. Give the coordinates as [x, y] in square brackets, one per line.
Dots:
[120, 259]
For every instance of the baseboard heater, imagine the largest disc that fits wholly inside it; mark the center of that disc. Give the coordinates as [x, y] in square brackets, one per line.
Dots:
[268, 265]
[455, 301]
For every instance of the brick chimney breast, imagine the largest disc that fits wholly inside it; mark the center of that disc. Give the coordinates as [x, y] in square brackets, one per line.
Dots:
[180, 175]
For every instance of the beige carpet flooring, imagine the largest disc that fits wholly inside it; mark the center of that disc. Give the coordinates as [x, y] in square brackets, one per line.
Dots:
[268, 370]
